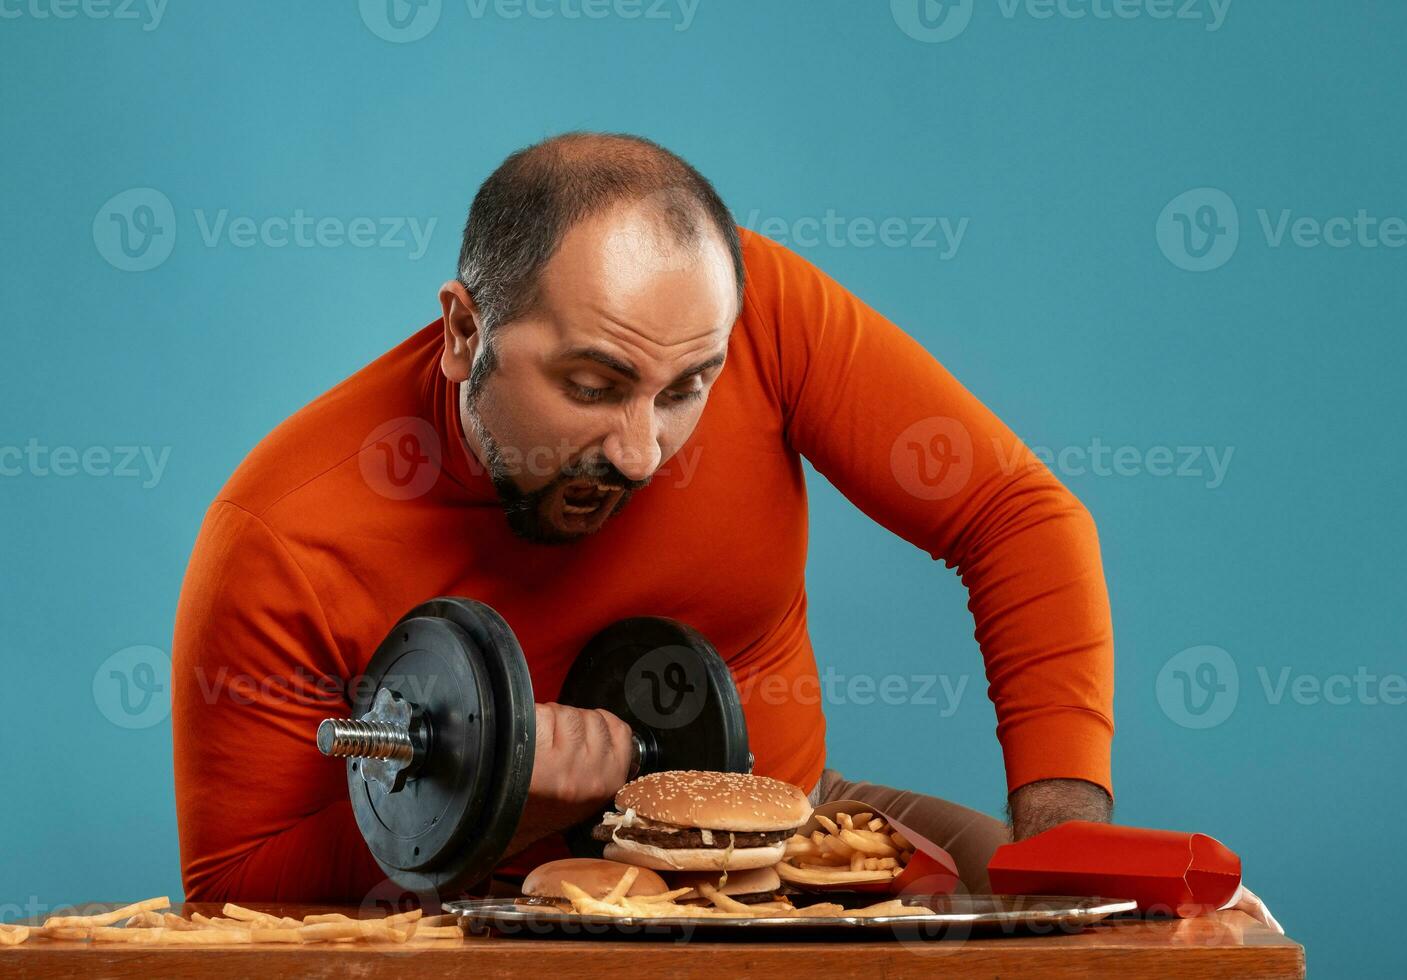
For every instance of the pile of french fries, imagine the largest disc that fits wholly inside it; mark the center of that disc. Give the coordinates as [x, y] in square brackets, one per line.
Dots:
[852, 849]
[149, 922]
[664, 905]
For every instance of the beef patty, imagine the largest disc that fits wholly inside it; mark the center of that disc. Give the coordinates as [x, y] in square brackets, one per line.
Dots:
[690, 838]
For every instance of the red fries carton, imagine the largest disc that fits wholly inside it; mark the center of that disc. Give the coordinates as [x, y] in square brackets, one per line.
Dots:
[931, 870]
[1163, 870]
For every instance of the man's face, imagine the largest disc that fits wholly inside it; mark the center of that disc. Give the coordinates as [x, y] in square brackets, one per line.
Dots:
[575, 406]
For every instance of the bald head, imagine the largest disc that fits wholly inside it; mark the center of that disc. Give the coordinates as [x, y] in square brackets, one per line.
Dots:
[525, 208]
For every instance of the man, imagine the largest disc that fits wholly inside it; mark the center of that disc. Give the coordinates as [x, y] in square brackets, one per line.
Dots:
[609, 421]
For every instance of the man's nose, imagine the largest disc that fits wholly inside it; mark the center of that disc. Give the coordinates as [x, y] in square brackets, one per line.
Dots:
[633, 447]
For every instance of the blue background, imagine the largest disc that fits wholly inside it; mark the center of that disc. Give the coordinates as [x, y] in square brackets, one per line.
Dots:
[1061, 140]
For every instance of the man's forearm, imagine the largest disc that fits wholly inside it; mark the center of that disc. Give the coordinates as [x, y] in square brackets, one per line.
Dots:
[1041, 805]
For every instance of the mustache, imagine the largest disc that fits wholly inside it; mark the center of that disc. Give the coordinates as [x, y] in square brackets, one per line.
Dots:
[602, 471]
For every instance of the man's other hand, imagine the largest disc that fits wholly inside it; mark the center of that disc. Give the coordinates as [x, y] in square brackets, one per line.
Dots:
[1041, 805]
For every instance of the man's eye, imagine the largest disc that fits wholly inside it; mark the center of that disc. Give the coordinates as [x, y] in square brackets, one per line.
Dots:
[586, 393]
[678, 397]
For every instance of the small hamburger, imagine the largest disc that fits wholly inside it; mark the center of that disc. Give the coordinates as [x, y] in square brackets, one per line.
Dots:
[592, 875]
[702, 821]
[749, 887]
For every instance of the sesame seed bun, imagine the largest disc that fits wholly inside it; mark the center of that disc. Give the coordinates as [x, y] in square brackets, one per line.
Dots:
[717, 801]
[694, 858]
[747, 882]
[591, 875]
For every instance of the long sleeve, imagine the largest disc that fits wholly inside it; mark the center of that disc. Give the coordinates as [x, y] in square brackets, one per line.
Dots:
[262, 815]
[879, 417]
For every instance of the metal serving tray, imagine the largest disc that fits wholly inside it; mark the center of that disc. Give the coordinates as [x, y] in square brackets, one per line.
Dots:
[955, 916]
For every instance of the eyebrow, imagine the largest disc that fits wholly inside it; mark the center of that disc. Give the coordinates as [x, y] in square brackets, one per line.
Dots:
[627, 369]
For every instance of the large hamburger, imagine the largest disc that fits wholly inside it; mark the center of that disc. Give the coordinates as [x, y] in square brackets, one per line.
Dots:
[702, 821]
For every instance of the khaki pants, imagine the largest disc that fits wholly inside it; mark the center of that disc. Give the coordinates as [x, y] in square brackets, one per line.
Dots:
[970, 837]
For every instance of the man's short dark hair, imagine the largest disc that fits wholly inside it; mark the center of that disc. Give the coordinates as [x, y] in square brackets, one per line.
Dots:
[521, 213]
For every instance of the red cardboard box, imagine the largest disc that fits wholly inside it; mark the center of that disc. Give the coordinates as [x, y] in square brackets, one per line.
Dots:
[1163, 870]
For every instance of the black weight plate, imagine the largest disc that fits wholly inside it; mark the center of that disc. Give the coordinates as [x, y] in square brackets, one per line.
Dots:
[669, 684]
[437, 666]
[483, 842]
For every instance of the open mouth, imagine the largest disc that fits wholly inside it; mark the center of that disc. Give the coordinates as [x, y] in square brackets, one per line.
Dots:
[586, 496]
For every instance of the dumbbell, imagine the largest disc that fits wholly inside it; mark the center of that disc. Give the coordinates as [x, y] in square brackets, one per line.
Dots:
[439, 749]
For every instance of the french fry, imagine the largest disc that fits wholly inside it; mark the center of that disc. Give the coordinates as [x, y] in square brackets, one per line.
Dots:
[824, 908]
[872, 844]
[241, 914]
[618, 890]
[170, 920]
[315, 920]
[367, 929]
[846, 823]
[107, 918]
[279, 935]
[858, 861]
[401, 918]
[583, 902]
[13, 935]
[801, 846]
[893, 907]
[900, 841]
[724, 902]
[669, 896]
[114, 934]
[829, 876]
[861, 820]
[876, 825]
[828, 823]
[75, 933]
[203, 937]
[423, 933]
[146, 920]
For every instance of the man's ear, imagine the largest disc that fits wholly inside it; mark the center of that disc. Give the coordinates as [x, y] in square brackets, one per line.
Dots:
[461, 318]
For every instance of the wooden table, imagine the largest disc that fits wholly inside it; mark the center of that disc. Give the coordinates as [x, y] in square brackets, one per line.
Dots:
[1227, 944]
